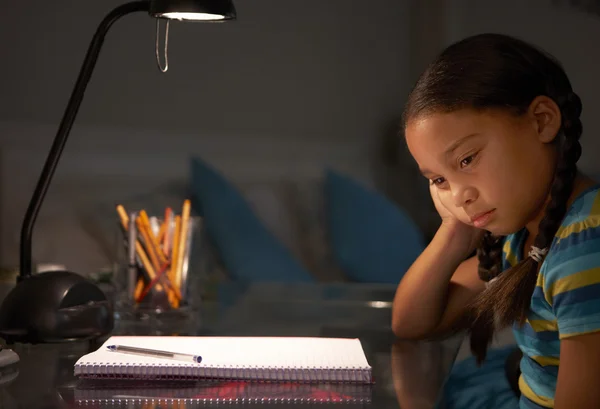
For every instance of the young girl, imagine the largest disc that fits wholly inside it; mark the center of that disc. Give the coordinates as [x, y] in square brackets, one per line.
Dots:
[493, 123]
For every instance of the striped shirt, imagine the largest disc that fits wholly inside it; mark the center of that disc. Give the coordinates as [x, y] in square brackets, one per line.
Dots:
[566, 300]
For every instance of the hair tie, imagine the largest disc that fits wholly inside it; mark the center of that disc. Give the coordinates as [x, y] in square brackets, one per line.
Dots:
[537, 253]
[489, 283]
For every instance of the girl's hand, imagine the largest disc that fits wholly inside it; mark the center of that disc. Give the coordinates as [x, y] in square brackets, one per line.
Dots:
[464, 237]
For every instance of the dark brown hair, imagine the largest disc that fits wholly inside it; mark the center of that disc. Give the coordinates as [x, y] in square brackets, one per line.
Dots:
[494, 71]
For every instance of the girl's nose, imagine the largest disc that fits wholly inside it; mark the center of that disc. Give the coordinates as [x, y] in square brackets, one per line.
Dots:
[464, 195]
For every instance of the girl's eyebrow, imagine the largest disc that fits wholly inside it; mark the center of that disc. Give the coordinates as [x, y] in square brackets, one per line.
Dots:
[425, 172]
[453, 146]
[457, 143]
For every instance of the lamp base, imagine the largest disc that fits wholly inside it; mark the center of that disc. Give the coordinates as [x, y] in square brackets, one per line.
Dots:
[55, 306]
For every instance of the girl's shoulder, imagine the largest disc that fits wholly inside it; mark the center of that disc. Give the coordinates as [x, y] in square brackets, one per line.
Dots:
[570, 274]
[582, 221]
[574, 256]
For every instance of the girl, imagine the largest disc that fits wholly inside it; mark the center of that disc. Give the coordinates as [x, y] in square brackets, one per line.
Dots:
[493, 123]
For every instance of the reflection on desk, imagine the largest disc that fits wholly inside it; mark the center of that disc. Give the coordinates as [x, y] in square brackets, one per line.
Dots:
[419, 370]
[408, 376]
[8, 373]
[196, 392]
[9, 369]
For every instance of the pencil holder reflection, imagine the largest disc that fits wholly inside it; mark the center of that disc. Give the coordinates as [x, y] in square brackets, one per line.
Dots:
[154, 276]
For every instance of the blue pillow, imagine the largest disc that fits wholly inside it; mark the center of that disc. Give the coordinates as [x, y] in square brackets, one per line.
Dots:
[372, 239]
[248, 250]
[473, 387]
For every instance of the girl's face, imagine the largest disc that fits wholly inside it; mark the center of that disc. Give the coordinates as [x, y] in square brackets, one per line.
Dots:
[492, 169]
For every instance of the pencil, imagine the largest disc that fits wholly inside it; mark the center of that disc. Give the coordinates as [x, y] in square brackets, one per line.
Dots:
[148, 288]
[138, 247]
[148, 243]
[168, 231]
[185, 225]
[161, 233]
[153, 242]
[131, 256]
[153, 225]
[175, 249]
[138, 288]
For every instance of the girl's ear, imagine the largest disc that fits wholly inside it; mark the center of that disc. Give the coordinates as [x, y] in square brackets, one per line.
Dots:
[546, 118]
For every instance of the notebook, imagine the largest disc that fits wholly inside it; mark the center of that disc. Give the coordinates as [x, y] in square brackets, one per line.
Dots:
[199, 393]
[298, 359]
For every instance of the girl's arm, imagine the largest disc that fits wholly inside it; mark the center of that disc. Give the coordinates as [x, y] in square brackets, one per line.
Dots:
[433, 295]
[578, 385]
[570, 284]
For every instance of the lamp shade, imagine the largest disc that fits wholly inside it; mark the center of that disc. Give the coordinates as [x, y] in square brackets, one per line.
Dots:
[193, 10]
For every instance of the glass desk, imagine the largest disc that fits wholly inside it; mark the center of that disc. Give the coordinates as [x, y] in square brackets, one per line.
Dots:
[408, 375]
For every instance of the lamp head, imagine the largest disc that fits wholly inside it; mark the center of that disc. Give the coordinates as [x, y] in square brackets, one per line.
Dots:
[193, 10]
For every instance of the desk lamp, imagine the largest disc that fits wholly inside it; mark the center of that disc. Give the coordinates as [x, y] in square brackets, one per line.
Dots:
[58, 306]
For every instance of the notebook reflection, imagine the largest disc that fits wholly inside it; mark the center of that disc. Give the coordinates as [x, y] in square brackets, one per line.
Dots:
[161, 394]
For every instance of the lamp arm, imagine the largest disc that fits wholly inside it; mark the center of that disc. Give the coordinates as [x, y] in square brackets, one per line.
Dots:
[65, 127]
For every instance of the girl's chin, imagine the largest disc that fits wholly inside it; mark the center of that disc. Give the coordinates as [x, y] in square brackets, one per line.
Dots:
[500, 230]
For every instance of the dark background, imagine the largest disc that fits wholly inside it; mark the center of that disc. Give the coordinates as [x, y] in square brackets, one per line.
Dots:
[270, 100]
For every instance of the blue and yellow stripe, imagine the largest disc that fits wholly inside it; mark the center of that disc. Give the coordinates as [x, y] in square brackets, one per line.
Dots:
[565, 301]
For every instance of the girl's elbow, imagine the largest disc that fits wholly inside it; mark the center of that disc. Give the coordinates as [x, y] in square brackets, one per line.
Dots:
[403, 330]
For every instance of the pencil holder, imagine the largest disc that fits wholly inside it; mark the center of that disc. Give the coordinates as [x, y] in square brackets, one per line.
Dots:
[157, 288]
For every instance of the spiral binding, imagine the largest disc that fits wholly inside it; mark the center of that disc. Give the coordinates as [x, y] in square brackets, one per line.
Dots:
[239, 372]
[209, 401]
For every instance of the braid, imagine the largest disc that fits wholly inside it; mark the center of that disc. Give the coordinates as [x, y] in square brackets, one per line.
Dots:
[510, 298]
[566, 171]
[489, 255]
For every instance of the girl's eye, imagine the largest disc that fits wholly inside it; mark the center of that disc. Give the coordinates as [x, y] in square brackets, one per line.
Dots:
[438, 181]
[467, 161]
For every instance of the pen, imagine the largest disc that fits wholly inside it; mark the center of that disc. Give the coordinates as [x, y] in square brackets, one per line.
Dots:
[132, 268]
[155, 353]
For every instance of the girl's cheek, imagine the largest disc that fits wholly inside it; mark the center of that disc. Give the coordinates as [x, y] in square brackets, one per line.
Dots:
[461, 215]
[458, 212]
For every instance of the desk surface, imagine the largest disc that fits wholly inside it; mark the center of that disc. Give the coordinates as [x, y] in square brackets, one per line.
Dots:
[408, 375]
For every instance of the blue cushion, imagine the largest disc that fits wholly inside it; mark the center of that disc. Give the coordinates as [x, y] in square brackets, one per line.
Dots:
[485, 387]
[372, 239]
[248, 250]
